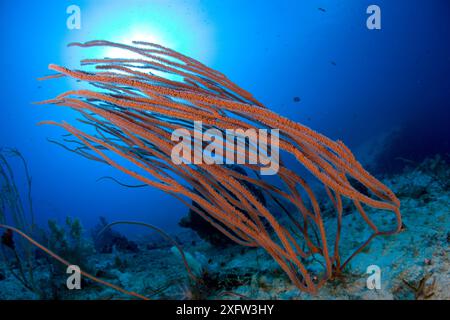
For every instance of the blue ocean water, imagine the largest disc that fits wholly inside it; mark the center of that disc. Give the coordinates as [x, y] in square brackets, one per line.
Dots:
[312, 61]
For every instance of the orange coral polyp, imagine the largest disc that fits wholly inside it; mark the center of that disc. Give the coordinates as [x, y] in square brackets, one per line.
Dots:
[135, 113]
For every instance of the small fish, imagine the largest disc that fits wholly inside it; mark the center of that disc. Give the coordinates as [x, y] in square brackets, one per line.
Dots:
[297, 99]
[322, 9]
[333, 63]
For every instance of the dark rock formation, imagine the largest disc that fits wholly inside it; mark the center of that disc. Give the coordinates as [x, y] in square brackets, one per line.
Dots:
[110, 239]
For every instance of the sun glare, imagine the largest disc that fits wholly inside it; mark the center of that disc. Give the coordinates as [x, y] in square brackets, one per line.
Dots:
[135, 34]
[125, 22]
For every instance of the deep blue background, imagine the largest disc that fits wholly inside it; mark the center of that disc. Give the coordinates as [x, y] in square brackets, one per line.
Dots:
[354, 84]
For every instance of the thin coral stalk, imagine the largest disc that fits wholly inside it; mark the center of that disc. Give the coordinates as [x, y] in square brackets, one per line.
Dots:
[164, 234]
[67, 263]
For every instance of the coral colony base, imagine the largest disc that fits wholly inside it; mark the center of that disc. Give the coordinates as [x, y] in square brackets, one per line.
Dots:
[135, 105]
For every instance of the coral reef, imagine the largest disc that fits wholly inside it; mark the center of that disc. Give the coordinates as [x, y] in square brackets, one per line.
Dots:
[415, 263]
[68, 241]
[40, 277]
